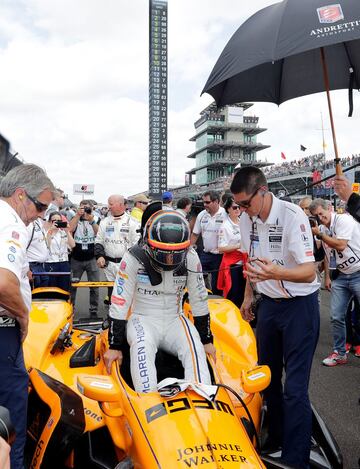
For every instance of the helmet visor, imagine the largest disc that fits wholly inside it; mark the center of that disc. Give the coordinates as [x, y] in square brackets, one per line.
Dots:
[168, 258]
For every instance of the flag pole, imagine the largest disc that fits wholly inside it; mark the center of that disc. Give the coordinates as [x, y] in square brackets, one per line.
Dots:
[327, 89]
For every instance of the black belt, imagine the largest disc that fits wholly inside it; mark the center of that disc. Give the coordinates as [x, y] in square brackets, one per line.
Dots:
[113, 259]
[37, 263]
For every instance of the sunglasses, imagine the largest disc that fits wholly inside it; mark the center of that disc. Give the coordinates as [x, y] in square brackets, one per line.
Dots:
[235, 207]
[207, 202]
[40, 207]
[247, 203]
[144, 203]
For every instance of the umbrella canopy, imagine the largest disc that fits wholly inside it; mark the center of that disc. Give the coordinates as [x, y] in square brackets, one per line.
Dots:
[275, 55]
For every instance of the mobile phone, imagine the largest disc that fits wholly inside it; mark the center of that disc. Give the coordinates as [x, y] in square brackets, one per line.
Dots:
[60, 224]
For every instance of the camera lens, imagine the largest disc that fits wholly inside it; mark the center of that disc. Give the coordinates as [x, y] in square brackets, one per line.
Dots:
[7, 431]
[87, 210]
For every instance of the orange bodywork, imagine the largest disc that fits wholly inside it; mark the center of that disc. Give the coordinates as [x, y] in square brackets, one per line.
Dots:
[155, 432]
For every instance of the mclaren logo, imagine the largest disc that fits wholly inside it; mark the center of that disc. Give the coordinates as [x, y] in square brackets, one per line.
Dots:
[179, 405]
[330, 14]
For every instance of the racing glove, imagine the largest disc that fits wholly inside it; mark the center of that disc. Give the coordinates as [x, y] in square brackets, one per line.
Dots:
[117, 334]
[202, 324]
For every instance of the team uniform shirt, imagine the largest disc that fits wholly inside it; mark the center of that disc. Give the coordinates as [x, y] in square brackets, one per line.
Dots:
[84, 237]
[14, 238]
[286, 239]
[58, 247]
[117, 235]
[229, 233]
[209, 227]
[37, 250]
[343, 226]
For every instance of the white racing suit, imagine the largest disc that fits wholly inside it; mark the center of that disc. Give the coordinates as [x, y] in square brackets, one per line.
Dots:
[114, 237]
[157, 320]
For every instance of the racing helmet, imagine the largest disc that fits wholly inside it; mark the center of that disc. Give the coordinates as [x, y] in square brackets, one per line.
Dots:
[166, 239]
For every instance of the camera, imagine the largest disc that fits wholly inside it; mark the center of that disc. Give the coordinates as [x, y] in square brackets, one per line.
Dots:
[60, 224]
[87, 210]
[7, 430]
[314, 221]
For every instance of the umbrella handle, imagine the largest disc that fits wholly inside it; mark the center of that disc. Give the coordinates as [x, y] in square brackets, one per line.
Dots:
[338, 167]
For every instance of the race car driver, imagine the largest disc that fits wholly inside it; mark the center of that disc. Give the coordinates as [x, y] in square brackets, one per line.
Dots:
[152, 278]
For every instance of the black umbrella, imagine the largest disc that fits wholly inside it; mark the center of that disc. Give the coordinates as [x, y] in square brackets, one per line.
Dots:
[291, 49]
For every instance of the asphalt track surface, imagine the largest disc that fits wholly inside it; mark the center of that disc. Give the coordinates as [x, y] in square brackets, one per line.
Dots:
[334, 392]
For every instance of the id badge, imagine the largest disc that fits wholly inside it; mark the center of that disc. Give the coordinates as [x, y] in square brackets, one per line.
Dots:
[84, 247]
[332, 261]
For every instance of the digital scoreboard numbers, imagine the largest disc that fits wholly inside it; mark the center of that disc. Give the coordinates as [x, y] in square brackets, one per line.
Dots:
[158, 98]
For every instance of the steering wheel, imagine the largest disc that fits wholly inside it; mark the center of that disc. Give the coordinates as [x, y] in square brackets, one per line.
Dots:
[63, 340]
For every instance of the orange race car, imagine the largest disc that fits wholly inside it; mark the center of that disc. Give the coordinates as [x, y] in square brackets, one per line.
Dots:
[81, 417]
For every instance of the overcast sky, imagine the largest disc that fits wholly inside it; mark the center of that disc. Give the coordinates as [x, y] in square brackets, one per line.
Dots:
[74, 90]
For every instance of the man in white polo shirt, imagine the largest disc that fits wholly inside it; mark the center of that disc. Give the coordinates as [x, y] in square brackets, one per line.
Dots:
[340, 236]
[278, 239]
[25, 194]
[208, 224]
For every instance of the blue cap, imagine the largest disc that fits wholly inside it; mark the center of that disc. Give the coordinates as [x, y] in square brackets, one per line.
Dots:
[167, 195]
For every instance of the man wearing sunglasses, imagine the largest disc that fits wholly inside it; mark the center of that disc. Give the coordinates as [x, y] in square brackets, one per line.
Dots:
[208, 224]
[25, 194]
[140, 204]
[278, 239]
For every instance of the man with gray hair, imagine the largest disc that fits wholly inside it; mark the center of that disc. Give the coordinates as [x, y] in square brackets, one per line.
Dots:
[25, 194]
[340, 236]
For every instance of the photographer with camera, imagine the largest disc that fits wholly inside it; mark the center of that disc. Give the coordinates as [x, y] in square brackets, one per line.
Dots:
[340, 236]
[59, 241]
[319, 252]
[84, 226]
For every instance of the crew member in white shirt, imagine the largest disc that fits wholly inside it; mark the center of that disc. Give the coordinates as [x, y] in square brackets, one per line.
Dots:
[208, 224]
[340, 236]
[25, 194]
[278, 238]
[59, 241]
[117, 233]
[37, 252]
